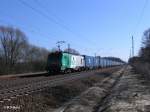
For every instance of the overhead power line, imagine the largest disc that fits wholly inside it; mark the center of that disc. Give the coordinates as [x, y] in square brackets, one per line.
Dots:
[34, 30]
[46, 16]
[31, 30]
[44, 13]
[140, 16]
[137, 25]
[50, 19]
[48, 12]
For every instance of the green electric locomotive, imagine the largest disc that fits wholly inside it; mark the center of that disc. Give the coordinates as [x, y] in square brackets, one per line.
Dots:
[64, 62]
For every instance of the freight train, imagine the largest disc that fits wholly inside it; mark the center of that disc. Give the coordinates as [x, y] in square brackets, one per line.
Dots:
[67, 62]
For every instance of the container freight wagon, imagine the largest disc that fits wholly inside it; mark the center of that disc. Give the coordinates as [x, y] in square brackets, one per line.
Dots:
[110, 63]
[92, 62]
[103, 62]
[64, 62]
[97, 62]
[89, 62]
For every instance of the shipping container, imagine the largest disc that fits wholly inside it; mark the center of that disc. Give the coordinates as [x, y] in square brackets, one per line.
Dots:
[89, 62]
[97, 62]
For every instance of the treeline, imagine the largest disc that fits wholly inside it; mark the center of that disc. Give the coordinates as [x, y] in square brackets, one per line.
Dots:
[142, 61]
[144, 53]
[17, 55]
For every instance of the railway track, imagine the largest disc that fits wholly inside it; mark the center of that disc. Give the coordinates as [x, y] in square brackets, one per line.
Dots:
[37, 84]
[10, 82]
[22, 75]
[17, 80]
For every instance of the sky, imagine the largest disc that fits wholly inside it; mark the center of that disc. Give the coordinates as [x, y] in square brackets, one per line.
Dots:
[101, 27]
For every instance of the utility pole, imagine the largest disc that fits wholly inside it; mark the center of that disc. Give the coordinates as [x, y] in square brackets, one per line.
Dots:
[95, 58]
[132, 46]
[68, 48]
[130, 54]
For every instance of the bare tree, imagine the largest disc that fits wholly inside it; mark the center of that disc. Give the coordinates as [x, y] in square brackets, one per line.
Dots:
[1, 52]
[1, 55]
[35, 53]
[17, 55]
[35, 58]
[146, 38]
[12, 43]
[145, 49]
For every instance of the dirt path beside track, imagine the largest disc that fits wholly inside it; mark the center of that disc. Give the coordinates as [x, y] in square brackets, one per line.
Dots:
[131, 94]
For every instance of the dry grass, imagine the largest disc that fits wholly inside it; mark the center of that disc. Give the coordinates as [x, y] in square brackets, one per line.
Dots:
[142, 68]
[52, 98]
